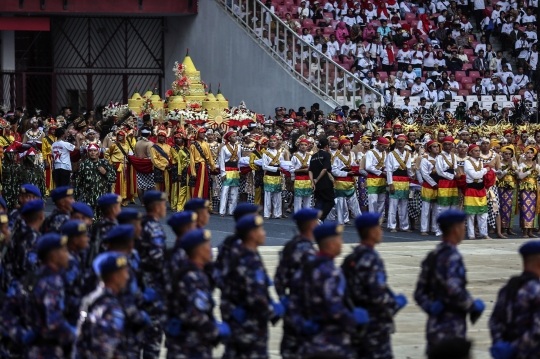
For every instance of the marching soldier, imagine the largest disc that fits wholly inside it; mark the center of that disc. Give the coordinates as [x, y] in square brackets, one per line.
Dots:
[77, 242]
[151, 248]
[367, 287]
[440, 290]
[296, 251]
[62, 198]
[101, 331]
[120, 239]
[193, 329]
[319, 307]
[202, 208]
[45, 302]
[245, 303]
[110, 206]
[27, 192]
[515, 317]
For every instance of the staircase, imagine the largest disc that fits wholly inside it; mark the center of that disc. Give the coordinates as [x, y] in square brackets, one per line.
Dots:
[315, 71]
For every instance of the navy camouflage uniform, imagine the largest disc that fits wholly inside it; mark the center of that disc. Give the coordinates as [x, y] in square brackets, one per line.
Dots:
[102, 334]
[296, 251]
[15, 219]
[516, 317]
[21, 257]
[74, 285]
[45, 308]
[151, 247]
[367, 288]
[175, 262]
[14, 321]
[100, 230]
[320, 298]
[54, 221]
[447, 284]
[193, 306]
[246, 286]
[227, 251]
[132, 302]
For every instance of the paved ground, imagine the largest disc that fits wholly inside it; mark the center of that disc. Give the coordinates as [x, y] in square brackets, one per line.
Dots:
[489, 264]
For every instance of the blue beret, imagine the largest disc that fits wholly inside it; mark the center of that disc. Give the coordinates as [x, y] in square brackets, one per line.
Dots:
[61, 192]
[451, 216]
[181, 218]
[368, 219]
[73, 228]
[307, 214]
[3, 203]
[196, 203]
[50, 241]
[153, 195]
[245, 208]
[120, 231]
[326, 230]
[82, 208]
[193, 238]
[108, 199]
[128, 214]
[33, 206]
[249, 222]
[530, 248]
[30, 188]
[109, 262]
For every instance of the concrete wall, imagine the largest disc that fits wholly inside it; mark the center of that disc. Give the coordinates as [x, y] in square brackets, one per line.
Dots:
[223, 52]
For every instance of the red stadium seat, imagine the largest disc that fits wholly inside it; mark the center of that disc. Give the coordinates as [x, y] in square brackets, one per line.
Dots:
[307, 23]
[405, 93]
[466, 67]
[467, 80]
[468, 52]
[463, 93]
[460, 75]
[468, 87]
[384, 76]
[474, 75]
[410, 17]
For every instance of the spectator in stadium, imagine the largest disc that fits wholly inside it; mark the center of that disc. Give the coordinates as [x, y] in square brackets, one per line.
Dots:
[463, 41]
[480, 63]
[304, 12]
[292, 23]
[403, 57]
[417, 56]
[480, 46]
[440, 61]
[369, 33]
[449, 42]
[409, 75]
[388, 58]
[532, 60]
[521, 80]
[429, 58]
[510, 88]
[455, 63]
[348, 50]
[341, 32]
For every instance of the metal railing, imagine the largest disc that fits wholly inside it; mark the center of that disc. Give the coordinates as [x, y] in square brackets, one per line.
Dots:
[306, 63]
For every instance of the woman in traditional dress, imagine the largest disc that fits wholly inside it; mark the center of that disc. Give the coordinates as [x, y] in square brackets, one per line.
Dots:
[506, 183]
[527, 172]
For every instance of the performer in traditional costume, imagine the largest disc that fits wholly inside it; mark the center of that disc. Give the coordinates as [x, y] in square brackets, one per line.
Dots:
[143, 162]
[46, 152]
[300, 172]
[31, 171]
[258, 172]
[429, 189]
[398, 171]
[34, 136]
[160, 154]
[247, 186]
[94, 179]
[180, 192]
[216, 179]
[229, 156]
[272, 158]
[414, 204]
[117, 155]
[344, 185]
[491, 158]
[362, 179]
[475, 201]
[461, 156]
[201, 165]
[527, 172]
[506, 185]
[376, 179]
[446, 165]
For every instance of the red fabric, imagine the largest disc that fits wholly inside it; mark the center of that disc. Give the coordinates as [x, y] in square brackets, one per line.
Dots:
[426, 26]
[489, 179]
[383, 10]
[390, 53]
[141, 165]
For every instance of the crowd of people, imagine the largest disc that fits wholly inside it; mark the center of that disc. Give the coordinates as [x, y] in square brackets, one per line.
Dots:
[391, 43]
[78, 288]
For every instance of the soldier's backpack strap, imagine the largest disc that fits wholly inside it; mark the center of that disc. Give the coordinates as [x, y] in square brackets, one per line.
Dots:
[512, 288]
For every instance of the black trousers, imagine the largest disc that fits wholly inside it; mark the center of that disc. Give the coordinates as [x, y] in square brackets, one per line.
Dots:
[61, 177]
[325, 201]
